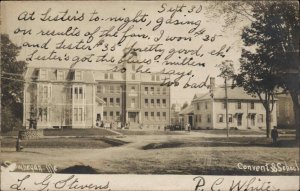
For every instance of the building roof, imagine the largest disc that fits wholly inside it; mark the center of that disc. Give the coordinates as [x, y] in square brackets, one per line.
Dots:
[236, 93]
[188, 110]
[33, 73]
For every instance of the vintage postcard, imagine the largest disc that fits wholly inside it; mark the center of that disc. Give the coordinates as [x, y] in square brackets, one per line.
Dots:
[150, 95]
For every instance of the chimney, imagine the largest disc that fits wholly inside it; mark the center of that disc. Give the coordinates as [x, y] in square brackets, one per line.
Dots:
[212, 86]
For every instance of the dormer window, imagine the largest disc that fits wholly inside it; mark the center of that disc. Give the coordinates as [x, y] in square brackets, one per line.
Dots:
[43, 74]
[78, 75]
[60, 75]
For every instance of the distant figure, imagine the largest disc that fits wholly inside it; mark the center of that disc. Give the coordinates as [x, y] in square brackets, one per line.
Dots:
[188, 127]
[274, 135]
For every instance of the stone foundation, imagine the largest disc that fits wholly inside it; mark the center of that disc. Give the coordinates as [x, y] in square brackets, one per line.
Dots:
[31, 134]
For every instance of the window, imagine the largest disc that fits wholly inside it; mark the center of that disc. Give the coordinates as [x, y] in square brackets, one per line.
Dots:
[111, 101]
[106, 76]
[78, 75]
[105, 100]
[43, 74]
[206, 105]
[208, 118]
[153, 77]
[118, 89]
[132, 89]
[78, 92]
[260, 118]
[146, 102]
[75, 114]
[164, 91]
[152, 90]
[111, 89]
[111, 115]
[220, 118]
[252, 105]
[157, 77]
[117, 115]
[158, 90]
[164, 115]
[118, 101]
[230, 119]
[198, 106]
[60, 75]
[105, 115]
[164, 103]
[111, 76]
[132, 102]
[146, 90]
[158, 115]
[152, 115]
[152, 102]
[99, 89]
[44, 92]
[78, 114]
[158, 102]
[224, 105]
[200, 118]
[239, 105]
[133, 76]
[146, 115]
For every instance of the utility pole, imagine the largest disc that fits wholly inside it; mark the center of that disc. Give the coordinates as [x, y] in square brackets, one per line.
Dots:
[226, 107]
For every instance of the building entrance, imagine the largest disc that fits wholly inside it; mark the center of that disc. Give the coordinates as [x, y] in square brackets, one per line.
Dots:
[133, 117]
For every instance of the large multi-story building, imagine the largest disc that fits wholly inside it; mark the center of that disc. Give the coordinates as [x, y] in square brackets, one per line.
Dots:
[244, 111]
[133, 97]
[60, 98]
[84, 98]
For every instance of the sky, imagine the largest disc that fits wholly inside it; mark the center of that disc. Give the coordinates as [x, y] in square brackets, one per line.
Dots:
[156, 13]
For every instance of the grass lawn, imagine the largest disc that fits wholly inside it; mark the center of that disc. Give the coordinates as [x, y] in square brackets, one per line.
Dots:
[70, 132]
[156, 154]
[78, 142]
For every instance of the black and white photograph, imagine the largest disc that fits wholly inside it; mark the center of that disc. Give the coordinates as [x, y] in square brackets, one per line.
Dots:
[150, 95]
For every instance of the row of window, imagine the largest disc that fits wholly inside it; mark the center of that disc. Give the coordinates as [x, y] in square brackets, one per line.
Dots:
[112, 101]
[148, 115]
[159, 103]
[221, 118]
[198, 118]
[60, 75]
[45, 92]
[155, 115]
[237, 104]
[44, 114]
[152, 91]
[132, 89]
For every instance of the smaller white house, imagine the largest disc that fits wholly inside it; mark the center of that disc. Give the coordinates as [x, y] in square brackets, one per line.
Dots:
[244, 111]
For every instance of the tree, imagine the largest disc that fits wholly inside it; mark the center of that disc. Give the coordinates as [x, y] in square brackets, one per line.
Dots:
[274, 29]
[11, 85]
